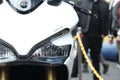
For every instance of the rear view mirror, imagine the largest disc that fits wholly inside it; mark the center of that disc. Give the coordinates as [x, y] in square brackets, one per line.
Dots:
[1, 1]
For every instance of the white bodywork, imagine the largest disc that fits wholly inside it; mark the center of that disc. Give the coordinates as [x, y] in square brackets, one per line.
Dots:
[23, 31]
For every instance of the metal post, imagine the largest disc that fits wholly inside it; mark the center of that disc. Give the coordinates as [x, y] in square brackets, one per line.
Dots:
[79, 56]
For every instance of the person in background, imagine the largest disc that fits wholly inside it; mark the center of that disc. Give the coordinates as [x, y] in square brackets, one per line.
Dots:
[104, 64]
[94, 28]
[115, 28]
[102, 61]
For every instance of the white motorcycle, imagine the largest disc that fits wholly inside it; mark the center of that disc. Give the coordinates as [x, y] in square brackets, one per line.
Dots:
[36, 40]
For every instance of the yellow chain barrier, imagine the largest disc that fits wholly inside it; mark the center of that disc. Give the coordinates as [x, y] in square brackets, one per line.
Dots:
[86, 57]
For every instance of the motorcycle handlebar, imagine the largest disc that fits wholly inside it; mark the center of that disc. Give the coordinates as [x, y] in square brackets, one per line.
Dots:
[85, 11]
[82, 10]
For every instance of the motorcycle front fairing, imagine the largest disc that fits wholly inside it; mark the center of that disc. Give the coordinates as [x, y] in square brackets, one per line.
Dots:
[37, 34]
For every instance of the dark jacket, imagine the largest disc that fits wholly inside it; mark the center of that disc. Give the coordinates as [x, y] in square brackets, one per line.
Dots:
[84, 20]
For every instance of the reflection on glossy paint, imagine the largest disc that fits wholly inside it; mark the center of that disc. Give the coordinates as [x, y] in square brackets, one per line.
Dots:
[3, 77]
[51, 74]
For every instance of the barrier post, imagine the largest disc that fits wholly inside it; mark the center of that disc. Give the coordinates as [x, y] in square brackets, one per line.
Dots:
[79, 56]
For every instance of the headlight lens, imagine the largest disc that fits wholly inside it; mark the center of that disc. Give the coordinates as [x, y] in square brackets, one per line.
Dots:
[6, 55]
[50, 53]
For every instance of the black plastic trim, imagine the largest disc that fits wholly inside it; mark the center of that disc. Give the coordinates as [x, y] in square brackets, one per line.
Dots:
[25, 12]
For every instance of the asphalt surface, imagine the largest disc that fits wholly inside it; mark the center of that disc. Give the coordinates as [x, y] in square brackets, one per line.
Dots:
[112, 74]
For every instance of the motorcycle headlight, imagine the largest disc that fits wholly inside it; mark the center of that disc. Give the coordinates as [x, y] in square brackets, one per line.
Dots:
[6, 55]
[48, 52]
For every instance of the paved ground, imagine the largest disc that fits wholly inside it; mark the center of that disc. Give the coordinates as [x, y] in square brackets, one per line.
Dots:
[112, 74]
